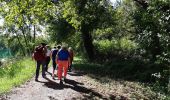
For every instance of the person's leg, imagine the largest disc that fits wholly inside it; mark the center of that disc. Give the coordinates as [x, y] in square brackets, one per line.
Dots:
[37, 70]
[70, 66]
[59, 71]
[47, 63]
[54, 67]
[65, 64]
[43, 68]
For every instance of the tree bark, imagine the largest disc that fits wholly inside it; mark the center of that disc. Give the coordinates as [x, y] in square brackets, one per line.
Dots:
[26, 41]
[156, 48]
[23, 51]
[34, 34]
[88, 42]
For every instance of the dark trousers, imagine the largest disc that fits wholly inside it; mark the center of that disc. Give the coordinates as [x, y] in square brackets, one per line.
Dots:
[47, 62]
[54, 64]
[70, 67]
[40, 63]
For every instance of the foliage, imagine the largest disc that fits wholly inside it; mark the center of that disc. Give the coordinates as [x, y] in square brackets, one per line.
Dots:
[84, 18]
[115, 48]
[23, 19]
[152, 29]
[133, 29]
[15, 73]
[60, 30]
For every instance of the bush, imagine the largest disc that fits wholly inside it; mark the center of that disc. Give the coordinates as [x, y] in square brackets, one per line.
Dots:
[115, 48]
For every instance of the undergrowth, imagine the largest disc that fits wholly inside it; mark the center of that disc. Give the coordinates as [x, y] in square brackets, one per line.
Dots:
[15, 73]
[154, 76]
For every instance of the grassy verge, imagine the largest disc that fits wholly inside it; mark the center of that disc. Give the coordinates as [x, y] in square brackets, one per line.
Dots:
[139, 73]
[16, 73]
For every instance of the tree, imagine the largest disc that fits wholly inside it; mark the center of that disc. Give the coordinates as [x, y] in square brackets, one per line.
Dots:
[86, 16]
[152, 19]
[23, 17]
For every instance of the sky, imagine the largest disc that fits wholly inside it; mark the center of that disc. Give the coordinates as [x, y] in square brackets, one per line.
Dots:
[113, 1]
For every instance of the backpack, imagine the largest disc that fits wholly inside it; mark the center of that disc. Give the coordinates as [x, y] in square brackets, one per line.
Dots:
[63, 55]
[39, 53]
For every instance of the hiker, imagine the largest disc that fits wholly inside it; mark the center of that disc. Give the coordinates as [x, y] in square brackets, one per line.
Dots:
[48, 53]
[39, 56]
[63, 62]
[54, 52]
[71, 54]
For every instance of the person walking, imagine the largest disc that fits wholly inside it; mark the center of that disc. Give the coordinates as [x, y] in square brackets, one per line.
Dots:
[39, 56]
[71, 54]
[48, 53]
[54, 52]
[63, 62]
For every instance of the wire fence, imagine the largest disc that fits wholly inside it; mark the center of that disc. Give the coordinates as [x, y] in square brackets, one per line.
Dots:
[5, 53]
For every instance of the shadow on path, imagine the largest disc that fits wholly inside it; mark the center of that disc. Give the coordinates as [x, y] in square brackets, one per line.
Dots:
[76, 73]
[51, 84]
[74, 85]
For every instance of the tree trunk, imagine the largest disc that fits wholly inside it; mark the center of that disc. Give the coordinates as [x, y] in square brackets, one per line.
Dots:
[87, 41]
[34, 34]
[156, 48]
[23, 51]
[26, 41]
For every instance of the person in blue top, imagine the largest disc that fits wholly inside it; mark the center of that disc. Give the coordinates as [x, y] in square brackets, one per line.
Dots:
[63, 62]
[54, 52]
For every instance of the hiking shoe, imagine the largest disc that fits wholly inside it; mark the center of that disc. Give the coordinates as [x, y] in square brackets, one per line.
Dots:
[65, 80]
[44, 76]
[36, 80]
[61, 82]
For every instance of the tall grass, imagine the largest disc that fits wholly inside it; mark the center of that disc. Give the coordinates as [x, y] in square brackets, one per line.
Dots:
[16, 73]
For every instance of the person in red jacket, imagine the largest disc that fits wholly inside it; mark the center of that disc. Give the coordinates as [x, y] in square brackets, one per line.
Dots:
[40, 57]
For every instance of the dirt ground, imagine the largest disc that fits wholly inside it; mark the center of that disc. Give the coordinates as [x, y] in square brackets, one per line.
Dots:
[49, 89]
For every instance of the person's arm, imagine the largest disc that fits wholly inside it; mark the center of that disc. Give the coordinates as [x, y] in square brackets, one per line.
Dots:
[56, 58]
[33, 56]
[51, 52]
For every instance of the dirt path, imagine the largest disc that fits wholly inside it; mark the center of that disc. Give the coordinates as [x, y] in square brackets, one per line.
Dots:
[49, 89]
[79, 86]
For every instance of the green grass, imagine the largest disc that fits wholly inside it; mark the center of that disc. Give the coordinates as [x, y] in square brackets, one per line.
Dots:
[16, 73]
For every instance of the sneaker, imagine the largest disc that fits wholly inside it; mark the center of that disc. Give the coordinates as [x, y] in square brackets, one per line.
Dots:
[65, 80]
[61, 82]
[44, 76]
[36, 79]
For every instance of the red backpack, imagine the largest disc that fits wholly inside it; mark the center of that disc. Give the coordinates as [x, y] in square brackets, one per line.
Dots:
[39, 53]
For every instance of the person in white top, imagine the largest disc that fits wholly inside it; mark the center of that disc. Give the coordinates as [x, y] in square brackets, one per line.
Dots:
[47, 57]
